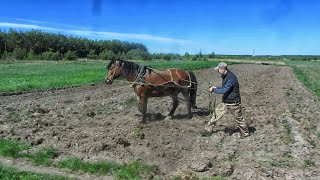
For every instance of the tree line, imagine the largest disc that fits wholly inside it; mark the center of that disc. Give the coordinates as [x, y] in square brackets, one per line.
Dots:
[40, 45]
[270, 57]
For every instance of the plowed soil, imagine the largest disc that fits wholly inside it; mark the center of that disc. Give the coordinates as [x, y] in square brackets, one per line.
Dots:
[102, 122]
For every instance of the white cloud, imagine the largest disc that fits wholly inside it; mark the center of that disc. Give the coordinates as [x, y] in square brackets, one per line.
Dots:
[96, 34]
[49, 23]
[128, 36]
[24, 26]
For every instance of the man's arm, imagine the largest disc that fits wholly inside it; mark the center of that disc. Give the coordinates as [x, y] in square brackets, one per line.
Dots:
[225, 88]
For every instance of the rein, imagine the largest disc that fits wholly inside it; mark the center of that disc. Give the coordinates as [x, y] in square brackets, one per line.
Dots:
[157, 87]
[138, 79]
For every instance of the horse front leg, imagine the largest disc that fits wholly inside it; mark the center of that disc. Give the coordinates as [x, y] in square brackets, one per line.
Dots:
[142, 107]
[189, 110]
[175, 104]
[188, 103]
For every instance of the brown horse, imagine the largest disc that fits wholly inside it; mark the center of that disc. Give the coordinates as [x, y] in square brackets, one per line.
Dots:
[148, 82]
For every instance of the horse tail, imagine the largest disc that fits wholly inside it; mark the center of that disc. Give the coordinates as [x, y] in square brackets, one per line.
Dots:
[193, 89]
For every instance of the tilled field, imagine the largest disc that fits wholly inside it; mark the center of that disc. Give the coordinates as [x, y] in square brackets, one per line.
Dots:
[101, 122]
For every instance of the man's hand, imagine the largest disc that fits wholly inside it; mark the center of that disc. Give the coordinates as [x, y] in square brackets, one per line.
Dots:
[212, 88]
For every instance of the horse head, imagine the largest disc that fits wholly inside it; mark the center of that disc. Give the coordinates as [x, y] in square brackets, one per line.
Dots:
[115, 68]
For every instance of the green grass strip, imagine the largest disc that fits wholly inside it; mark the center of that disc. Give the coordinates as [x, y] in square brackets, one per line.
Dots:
[45, 156]
[132, 170]
[12, 148]
[16, 149]
[99, 168]
[309, 76]
[42, 157]
[308, 73]
[9, 173]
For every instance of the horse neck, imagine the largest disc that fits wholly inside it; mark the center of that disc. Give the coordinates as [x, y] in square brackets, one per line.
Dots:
[132, 76]
[133, 73]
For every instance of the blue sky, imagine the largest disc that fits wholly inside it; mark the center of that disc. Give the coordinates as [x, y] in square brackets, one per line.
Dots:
[273, 27]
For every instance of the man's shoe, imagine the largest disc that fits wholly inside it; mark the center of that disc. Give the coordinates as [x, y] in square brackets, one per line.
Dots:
[209, 127]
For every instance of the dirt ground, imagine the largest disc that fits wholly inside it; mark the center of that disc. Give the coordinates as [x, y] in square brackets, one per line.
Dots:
[101, 122]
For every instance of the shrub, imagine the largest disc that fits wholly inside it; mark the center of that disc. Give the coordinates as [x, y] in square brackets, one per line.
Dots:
[194, 58]
[186, 55]
[92, 55]
[107, 54]
[32, 55]
[9, 56]
[49, 55]
[19, 53]
[70, 55]
[137, 54]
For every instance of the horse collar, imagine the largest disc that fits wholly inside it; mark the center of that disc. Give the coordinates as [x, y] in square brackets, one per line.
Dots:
[140, 74]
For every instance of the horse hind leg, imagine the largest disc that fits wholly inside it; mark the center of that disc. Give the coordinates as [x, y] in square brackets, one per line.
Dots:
[175, 104]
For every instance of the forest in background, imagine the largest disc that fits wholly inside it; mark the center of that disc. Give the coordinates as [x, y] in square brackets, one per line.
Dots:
[38, 45]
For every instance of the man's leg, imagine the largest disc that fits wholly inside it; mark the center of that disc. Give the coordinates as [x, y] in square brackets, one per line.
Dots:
[220, 110]
[237, 113]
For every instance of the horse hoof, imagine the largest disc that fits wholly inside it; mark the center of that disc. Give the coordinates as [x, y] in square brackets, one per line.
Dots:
[168, 118]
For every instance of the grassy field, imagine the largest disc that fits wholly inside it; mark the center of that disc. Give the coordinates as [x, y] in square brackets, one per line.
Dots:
[45, 75]
[308, 73]
[39, 75]
[185, 65]
[15, 174]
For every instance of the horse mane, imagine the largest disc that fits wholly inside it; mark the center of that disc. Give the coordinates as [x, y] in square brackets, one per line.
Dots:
[128, 66]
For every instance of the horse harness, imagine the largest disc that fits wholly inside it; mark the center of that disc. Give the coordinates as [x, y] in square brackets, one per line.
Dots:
[140, 79]
[140, 75]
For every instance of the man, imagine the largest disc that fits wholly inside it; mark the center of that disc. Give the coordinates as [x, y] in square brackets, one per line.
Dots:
[231, 100]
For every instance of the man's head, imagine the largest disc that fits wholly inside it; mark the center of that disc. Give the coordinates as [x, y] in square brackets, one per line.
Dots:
[222, 68]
